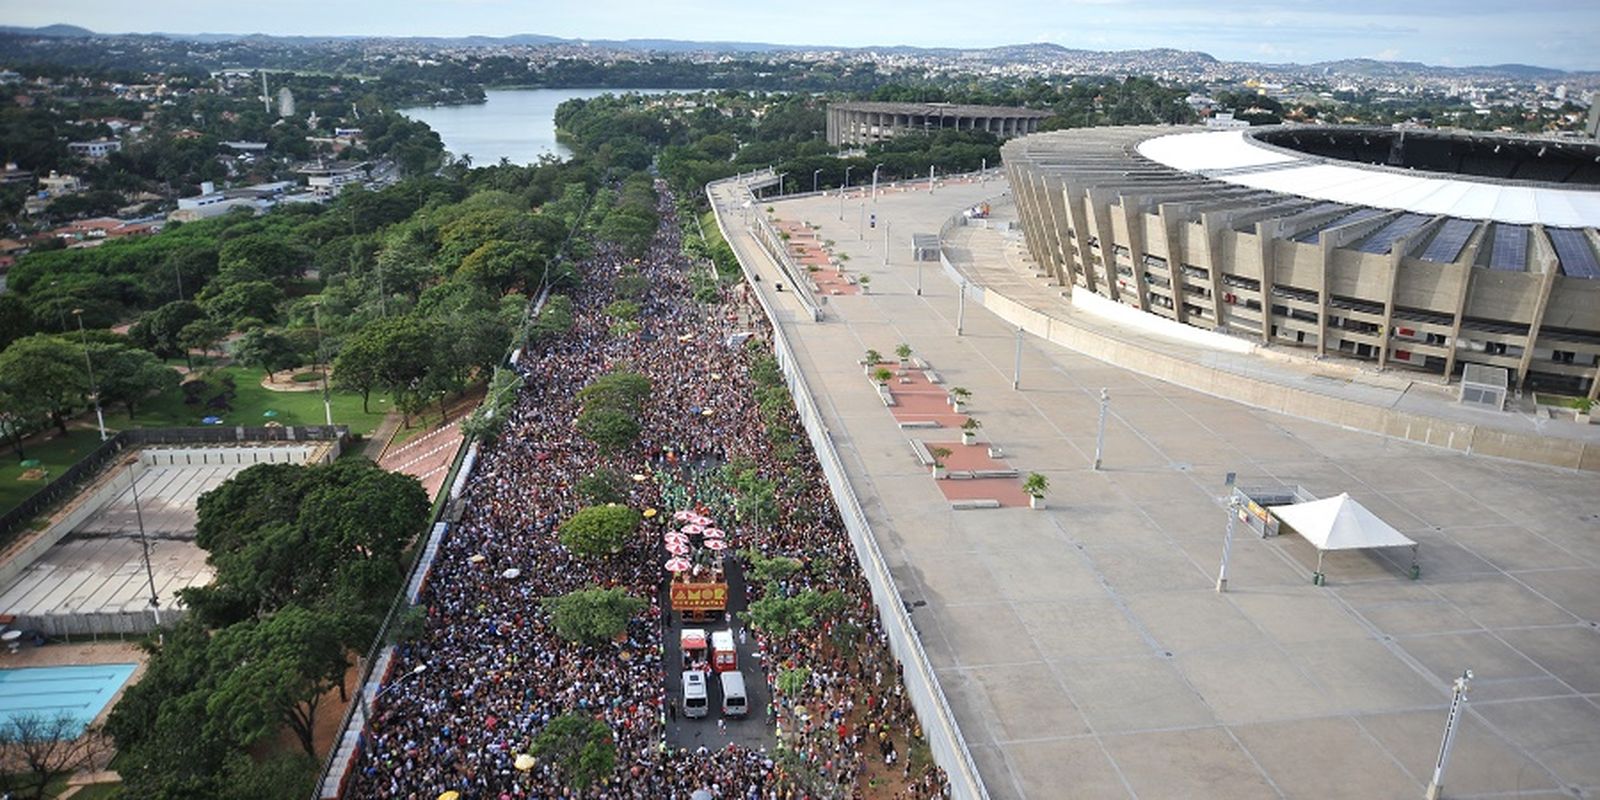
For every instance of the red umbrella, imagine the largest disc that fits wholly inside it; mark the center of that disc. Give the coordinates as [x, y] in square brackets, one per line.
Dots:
[694, 528]
[674, 536]
[677, 565]
[678, 548]
[715, 533]
[716, 544]
[702, 521]
[684, 515]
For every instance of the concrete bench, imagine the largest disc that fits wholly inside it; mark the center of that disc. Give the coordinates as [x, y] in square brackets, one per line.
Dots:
[885, 395]
[919, 423]
[918, 363]
[972, 505]
[996, 452]
[994, 473]
[933, 377]
[921, 451]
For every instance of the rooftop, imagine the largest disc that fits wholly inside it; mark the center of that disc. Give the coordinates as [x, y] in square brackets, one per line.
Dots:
[941, 109]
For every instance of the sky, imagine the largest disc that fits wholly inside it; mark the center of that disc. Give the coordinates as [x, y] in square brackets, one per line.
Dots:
[1551, 33]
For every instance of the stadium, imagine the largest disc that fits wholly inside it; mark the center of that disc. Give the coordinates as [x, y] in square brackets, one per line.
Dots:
[1414, 249]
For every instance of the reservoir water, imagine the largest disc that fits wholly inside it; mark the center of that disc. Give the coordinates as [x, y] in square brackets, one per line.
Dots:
[518, 124]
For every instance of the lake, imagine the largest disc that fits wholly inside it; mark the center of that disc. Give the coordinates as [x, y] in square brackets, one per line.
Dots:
[518, 124]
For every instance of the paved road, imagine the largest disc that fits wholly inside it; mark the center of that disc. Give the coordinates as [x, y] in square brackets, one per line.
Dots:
[1084, 649]
[753, 731]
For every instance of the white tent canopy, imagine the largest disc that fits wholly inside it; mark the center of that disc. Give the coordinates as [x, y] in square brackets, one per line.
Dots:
[1340, 523]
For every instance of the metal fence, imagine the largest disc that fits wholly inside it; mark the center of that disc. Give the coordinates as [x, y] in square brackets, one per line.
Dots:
[948, 746]
[69, 482]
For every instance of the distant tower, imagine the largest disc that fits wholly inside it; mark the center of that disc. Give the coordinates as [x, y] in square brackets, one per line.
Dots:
[1594, 116]
[266, 97]
[285, 102]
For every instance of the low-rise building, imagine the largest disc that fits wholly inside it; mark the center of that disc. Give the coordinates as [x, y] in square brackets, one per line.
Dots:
[94, 149]
[214, 203]
[327, 180]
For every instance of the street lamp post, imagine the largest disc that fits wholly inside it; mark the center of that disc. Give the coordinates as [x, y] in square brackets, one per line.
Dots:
[94, 391]
[814, 174]
[1100, 438]
[360, 704]
[1016, 367]
[144, 544]
[1457, 700]
[1227, 541]
[322, 363]
[842, 188]
[875, 169]
[961, 306]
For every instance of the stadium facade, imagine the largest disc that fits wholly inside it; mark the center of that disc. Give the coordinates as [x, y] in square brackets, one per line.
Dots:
[858, 124]
[1413, 249]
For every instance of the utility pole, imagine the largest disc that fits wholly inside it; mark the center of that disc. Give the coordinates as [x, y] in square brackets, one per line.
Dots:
[930, 179]
[863, 236]
[1457, 701]
[814, 175]
[886, 224]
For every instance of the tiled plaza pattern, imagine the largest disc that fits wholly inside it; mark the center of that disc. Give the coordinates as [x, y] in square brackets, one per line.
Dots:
[1084, 649]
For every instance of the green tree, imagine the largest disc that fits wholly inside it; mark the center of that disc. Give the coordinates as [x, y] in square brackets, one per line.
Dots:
[261, 257]
[160, 331]
[599, 530]
[778, 615]
[602, 486]
[47, 371]
[330, 535]
[582, 747]
[203, 335]
[266, 350]
[592, 615]
[610, 429]
[233, 302]
[276, 671]
[128, 375]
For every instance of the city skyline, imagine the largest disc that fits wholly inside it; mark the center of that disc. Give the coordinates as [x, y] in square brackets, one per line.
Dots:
[1547, 33]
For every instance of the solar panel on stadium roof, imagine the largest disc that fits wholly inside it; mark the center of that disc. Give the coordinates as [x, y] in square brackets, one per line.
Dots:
[1576, 253]
[1398, 228]
[1310, 237]
[1448, 242]
[1510, 248]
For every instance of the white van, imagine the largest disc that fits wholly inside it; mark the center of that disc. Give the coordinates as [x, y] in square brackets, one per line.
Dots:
[734, 701]
[694, 694]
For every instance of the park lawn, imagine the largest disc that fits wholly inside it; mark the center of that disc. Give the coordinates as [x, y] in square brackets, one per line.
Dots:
[167, 410]
[57, 454]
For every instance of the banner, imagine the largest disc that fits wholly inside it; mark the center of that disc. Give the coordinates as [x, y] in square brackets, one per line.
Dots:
[699, 596]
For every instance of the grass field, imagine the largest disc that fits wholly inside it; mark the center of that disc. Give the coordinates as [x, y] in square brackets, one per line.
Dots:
[251, 405]
[56, 454]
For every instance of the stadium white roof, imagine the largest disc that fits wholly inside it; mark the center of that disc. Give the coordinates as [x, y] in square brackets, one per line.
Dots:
[1232, 157]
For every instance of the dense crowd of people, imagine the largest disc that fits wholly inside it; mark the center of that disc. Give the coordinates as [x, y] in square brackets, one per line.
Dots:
[495, 670]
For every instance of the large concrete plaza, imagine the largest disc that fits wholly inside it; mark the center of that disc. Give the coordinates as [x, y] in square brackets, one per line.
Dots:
[1084, 649]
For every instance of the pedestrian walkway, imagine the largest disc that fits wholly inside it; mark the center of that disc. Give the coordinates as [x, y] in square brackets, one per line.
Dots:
[1085, 645]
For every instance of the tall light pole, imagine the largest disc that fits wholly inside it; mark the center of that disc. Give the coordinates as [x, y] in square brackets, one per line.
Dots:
[1457, 700]
[362, 705]
[1227, 540]
[845, 186]
[1016, 366]
[1100, 438]
[814, 174]
[961, 306]
[144, 544]
[930, 179]
[886, 224]
[322, 362]
[875, 182]
[94, 391]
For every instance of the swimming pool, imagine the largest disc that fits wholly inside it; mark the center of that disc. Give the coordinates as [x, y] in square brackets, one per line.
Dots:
[80, 692]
